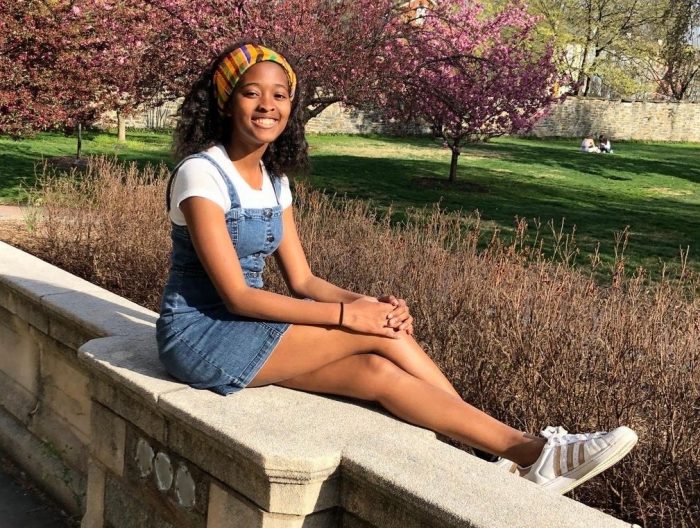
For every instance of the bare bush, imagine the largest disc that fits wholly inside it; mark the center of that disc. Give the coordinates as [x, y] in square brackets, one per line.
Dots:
[524, 337]
[107, 225]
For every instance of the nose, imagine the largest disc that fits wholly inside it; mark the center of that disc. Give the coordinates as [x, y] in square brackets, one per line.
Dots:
[266, 102]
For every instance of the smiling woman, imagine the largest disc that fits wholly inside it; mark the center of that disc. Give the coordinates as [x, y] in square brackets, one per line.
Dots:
[231, 207]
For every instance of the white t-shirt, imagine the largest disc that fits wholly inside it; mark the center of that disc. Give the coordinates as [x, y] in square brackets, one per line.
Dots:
[199, 177]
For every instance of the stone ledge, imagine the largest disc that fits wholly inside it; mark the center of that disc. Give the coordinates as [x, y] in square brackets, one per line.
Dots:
[287, 454]
[94, 309]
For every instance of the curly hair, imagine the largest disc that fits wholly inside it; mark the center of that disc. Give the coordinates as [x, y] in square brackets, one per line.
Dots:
[200, 124]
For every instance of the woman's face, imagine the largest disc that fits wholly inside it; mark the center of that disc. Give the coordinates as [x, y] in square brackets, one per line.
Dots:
[260, 105]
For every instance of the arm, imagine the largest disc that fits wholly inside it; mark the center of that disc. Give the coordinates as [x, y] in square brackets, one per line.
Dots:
[297, 273]
[207, 227]
[303, 283]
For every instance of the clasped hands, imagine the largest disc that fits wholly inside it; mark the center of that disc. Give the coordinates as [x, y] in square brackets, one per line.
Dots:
[389, 319]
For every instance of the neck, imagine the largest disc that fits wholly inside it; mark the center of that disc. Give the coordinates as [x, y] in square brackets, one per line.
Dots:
[246, 159]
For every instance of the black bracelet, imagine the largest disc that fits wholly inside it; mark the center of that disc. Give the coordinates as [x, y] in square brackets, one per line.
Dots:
[342, 309]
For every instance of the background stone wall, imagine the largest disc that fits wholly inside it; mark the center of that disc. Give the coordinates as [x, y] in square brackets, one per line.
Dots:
[336, 119]
[578, 116]
[575, 117]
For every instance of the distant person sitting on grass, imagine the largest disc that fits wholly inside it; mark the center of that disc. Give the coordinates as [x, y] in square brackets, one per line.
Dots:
[588, 145]
[230, 206]
[604, 144]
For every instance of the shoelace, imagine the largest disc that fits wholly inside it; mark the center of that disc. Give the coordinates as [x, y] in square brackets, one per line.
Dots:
[560, 436]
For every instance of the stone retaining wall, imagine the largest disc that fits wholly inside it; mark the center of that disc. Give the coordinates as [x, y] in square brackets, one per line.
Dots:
[87, 410]
[578, 116]
[575, 117]
[336, 119]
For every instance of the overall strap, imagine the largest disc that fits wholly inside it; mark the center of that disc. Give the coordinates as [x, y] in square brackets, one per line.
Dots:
[235, 201]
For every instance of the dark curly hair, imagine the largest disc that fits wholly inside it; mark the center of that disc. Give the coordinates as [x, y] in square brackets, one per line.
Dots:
[200, 124]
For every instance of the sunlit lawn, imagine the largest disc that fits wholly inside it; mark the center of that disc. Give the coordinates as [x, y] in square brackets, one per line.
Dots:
[652, 187]
[20, 160]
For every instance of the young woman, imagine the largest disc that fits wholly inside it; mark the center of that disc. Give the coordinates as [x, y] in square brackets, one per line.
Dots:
[230, 205]
[604, 144]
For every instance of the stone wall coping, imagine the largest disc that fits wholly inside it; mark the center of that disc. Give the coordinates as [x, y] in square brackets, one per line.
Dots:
[295, 439]
[630, 100]
[97, 311]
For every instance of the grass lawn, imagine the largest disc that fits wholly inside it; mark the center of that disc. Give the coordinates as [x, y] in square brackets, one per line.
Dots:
[652, 187]
[19, 160]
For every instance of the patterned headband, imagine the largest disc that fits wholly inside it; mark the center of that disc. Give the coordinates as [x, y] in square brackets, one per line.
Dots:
[235, 64]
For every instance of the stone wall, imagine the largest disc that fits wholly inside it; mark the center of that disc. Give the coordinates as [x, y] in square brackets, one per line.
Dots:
[87, 409]
[577, 117]
[155, 118]
[336, 119]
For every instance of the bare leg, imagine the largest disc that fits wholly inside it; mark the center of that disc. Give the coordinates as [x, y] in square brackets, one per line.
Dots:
[306, 348]
[338, 362]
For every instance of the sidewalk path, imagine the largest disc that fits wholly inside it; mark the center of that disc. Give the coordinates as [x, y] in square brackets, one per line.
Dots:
[11, 212]
[22, 505]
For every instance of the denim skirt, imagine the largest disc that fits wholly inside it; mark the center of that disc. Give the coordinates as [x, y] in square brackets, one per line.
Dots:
[216, 350]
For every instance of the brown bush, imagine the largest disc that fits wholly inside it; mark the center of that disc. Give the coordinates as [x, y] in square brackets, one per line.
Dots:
[107, 225]
[526, 338]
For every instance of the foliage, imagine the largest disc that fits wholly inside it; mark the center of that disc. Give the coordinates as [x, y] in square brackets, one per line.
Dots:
[118, 54]
[335, 46]
[678, 63]
[45, 81]
[127, 59]
[597, 38]
[471, 76]
[65, 62]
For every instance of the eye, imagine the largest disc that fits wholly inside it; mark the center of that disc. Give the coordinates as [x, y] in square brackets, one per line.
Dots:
[250, 93]
[281, 96]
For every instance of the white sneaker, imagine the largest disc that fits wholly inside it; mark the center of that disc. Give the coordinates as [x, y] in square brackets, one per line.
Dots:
[568, 460]
[504, 463]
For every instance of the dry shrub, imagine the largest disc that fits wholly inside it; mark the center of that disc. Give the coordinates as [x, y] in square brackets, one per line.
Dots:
[107, 225]
[524, 337]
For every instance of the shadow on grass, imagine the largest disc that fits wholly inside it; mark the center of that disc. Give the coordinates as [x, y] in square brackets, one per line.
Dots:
[658, 226]
[678, 161]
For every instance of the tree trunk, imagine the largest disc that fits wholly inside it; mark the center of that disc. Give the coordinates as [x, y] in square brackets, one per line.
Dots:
[80, 141]
[586, 85]
[453, 163]
[121, 125]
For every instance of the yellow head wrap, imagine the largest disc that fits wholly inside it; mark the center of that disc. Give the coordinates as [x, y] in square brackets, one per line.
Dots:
[235, 64]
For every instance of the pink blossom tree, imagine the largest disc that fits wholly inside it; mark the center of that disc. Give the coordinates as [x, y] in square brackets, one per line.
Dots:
[81, 57]
[338, 47]
[470, 76]
[44, 79]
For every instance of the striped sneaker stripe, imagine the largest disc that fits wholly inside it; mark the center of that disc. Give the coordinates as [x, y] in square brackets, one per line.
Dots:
[570, 456]
[557, 461]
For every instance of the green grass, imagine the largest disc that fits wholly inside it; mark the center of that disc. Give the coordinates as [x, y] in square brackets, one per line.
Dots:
[652, 187]
[20, 160]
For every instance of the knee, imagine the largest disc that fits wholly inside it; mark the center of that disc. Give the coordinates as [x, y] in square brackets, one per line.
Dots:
[402, 342]
[379, 372]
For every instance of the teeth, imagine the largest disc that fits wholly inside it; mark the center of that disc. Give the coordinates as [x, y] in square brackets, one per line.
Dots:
[265, 121]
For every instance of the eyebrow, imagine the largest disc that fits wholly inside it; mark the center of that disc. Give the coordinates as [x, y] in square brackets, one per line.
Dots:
[258, 84]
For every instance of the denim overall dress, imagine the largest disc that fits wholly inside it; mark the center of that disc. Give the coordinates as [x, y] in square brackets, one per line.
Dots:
[200, 342]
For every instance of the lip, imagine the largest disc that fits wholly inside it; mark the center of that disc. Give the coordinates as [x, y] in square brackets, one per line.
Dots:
[265, 122]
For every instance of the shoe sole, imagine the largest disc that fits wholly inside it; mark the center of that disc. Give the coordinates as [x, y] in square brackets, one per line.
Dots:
[588, 471]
